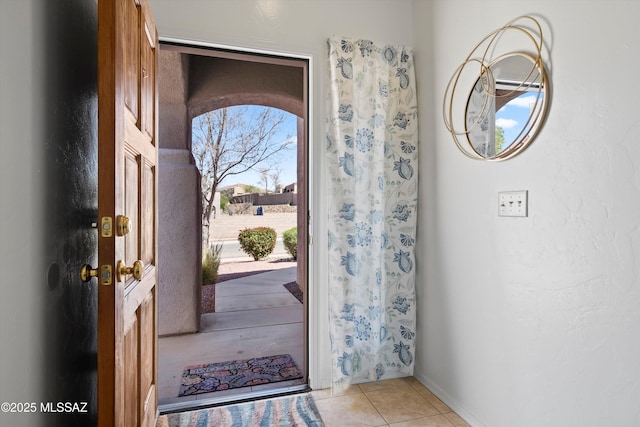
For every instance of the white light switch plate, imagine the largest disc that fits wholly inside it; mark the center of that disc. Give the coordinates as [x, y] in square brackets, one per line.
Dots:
[513, 203]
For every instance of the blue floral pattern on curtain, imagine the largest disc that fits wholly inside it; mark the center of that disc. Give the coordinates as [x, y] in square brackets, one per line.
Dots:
[372, 151]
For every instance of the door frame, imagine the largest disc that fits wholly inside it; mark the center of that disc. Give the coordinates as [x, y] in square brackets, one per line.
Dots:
[311, 338]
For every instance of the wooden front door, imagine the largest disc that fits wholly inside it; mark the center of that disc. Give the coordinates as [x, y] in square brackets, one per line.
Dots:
[127, 177]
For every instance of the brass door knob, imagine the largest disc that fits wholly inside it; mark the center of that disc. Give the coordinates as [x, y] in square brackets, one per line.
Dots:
[137, 270]
[86, 273]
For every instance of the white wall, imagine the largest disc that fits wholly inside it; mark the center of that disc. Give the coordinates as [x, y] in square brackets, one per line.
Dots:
[22, 290]
[299, 27]
[536, 321]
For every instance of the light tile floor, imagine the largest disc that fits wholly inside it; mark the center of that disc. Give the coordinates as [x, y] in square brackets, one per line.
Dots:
[402, 402]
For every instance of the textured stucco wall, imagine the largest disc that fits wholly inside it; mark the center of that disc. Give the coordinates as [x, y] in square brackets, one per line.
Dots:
[534, 321]
[179, 233]
[179, 244]
[173, 91]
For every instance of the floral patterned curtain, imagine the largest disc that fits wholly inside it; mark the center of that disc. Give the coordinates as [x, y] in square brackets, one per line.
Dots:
[372, 152]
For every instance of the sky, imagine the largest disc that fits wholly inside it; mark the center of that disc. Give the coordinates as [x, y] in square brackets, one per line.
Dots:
[514, 115]
[287, 164]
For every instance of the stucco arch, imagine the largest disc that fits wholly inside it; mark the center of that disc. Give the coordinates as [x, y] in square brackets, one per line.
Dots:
[284, 103]
[221, 82]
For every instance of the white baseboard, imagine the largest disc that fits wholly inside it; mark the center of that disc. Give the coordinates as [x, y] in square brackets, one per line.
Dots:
[448, 400]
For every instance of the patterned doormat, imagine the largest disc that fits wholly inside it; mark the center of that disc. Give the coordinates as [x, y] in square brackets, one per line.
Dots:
[212, 377]
[291, 411]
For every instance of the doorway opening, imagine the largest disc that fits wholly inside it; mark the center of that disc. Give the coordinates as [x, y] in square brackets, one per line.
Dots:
[255, 343]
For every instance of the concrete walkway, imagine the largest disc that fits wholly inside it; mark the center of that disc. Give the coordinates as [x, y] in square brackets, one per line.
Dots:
[255, 316]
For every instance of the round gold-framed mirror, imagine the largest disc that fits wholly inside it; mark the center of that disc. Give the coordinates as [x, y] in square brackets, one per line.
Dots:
[506, 100]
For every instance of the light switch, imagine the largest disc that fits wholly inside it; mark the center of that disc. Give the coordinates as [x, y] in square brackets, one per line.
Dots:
[513, 203]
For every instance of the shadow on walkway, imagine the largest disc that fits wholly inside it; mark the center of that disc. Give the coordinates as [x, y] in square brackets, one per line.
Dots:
[256, 316]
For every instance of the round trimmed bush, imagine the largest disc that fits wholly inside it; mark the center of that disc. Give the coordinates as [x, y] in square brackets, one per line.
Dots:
[257, 242]
[290, 240]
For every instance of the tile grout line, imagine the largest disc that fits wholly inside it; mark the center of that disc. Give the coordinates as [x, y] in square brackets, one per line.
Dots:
[374, 407]
[415, 390]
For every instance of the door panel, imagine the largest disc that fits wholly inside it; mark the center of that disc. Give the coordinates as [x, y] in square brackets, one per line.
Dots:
[131, 191]
[148, 83]
[132, 55]
[147, 214]
[131, 387]
[127, 318]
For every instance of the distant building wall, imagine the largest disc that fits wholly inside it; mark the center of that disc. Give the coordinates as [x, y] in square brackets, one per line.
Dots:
[276, 199]
[258, 199]
[250, 209]
[246, 199]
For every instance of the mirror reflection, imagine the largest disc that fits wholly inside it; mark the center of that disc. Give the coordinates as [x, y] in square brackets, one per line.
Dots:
[505, 106]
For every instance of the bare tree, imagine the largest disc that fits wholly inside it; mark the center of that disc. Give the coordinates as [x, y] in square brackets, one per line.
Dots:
[264, 178]
[275, 178]
[230, 141]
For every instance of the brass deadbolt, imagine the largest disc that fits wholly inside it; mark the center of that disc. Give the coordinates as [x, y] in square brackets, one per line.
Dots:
[86, 273]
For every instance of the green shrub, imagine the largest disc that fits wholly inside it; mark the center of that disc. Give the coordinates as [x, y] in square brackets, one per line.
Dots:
[257, 242]
[224, 201]
[290, 240]
[210, 264]
[248, 189]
